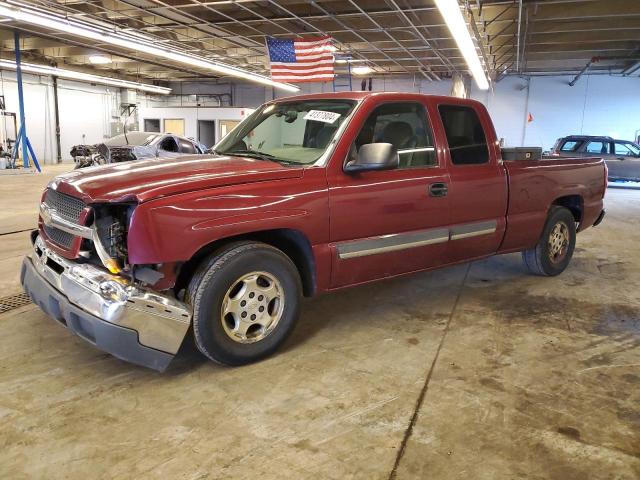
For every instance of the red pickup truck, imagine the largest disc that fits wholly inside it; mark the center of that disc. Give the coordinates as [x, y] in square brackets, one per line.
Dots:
[307, 195]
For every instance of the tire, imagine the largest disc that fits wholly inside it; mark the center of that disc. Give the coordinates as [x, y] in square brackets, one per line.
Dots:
[552, 254]
[268, 283]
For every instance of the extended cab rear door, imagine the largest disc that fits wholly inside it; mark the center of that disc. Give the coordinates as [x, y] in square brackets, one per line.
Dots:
[384, 223]
[478, 191]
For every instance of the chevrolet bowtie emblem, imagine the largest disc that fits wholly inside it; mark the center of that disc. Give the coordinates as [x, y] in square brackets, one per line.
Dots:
[46, 213]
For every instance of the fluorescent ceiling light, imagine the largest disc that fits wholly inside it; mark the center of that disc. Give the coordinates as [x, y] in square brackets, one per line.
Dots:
[99, 59]
[450, 10]
[361, 70]
[138, 43]
[84, 77]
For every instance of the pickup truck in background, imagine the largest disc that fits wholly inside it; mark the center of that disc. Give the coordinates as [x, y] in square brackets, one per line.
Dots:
[308, 195]
[622, 157]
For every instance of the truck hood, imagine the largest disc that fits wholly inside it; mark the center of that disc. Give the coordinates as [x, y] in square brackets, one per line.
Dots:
[144, 180]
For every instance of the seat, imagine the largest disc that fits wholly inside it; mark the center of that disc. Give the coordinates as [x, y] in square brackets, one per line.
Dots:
[400, 135]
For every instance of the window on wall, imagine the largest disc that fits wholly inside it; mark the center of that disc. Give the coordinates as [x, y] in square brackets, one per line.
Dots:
[174, 125]
[405, 126]
[465, 135]
[598, 147]
[152, 125]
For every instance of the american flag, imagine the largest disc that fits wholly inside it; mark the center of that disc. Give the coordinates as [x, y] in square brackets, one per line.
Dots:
[298, 60]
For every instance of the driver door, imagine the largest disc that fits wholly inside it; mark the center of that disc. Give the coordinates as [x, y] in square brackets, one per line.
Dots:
[624, 163]
[385, 223]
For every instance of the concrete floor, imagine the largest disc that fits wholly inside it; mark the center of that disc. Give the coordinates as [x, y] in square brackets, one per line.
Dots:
[479, 371]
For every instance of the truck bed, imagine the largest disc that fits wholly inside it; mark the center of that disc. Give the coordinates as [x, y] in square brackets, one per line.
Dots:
[536, 184]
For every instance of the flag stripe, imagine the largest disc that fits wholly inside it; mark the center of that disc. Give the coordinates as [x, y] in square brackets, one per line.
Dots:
[289, 78]
[298, 71]
[302, 65]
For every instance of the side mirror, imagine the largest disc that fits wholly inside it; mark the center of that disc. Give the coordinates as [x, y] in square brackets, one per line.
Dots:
[374, 156]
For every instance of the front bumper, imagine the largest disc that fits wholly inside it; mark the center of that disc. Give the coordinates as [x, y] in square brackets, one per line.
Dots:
[131, 323]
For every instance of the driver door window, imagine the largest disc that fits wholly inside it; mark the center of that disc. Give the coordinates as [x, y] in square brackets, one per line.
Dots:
[404, 125]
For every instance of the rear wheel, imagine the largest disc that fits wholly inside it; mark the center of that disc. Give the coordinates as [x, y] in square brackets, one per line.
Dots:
[554, 250]
[245, 302]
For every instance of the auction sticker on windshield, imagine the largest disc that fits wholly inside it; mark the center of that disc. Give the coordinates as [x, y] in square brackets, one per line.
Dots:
[322, 116]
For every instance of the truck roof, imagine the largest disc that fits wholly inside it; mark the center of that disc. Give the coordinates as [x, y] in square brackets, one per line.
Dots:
[363, 95]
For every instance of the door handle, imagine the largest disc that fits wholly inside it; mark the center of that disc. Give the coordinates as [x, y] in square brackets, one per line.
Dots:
[438, 189]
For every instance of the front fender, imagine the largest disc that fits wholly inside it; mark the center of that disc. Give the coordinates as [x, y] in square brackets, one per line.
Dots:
[173, 229]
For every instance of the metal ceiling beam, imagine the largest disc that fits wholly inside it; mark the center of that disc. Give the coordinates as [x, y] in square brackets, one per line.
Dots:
[403, 15]
[430, 76]
[343, 25]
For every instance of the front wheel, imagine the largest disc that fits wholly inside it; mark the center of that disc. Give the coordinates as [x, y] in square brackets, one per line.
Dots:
[245, 301]
[554, 250]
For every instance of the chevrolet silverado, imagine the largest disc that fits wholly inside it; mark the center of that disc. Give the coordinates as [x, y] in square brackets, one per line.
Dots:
[308, 195]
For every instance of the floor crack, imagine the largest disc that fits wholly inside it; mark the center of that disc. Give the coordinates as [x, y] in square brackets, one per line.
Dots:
[425, 386]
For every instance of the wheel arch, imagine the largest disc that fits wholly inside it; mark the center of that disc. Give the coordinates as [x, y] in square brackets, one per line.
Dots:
[291, 242]
[573, 203]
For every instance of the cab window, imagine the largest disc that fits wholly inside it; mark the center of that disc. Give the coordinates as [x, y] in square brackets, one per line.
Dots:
[598, 147]
[405, 126]
[465, 135]
[570, 146]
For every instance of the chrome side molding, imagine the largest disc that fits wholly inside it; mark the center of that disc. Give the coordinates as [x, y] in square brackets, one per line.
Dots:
[390, 243]
[473, 229]
[403, 241]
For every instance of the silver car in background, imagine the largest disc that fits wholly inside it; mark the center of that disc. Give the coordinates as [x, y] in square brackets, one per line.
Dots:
[135, 146]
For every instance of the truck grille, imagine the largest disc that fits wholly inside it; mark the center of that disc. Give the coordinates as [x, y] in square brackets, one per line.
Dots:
[59, 237]
[69, 208]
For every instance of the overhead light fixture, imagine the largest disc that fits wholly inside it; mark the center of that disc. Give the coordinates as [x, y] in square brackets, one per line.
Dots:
[135, 42]
[361, 70]
[99, 59]
[83, 77]
[450, 11]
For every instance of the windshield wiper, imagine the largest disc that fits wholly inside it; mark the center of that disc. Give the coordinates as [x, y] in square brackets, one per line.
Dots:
[260, 156]
[252, 153]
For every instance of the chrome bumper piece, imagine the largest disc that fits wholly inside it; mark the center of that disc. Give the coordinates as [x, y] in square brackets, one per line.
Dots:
[86, 292]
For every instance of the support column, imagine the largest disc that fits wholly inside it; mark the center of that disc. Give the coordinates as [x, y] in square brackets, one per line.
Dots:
[23, 128]
[57, 119]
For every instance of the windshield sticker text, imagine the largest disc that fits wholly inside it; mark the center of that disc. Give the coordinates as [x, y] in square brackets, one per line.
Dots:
[322, 116]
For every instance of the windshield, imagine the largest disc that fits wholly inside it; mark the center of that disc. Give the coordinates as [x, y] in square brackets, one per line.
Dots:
[297, 132]
[633, 147]
[132, 138]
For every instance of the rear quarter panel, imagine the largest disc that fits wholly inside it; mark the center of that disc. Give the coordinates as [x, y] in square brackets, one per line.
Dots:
[534, 185]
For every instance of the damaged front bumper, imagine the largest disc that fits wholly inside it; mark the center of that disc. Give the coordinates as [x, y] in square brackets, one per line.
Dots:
[134, 324]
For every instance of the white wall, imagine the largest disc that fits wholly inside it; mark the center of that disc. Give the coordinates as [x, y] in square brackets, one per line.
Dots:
[84, 110]
[596, 105]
